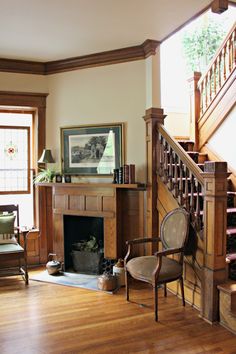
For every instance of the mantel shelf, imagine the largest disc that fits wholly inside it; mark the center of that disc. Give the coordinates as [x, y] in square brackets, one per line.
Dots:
[140, 186]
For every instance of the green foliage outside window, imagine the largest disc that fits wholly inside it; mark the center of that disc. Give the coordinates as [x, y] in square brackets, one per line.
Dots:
[201, 43]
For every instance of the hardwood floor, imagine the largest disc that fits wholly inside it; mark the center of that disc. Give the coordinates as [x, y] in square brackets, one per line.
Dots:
[46, 318]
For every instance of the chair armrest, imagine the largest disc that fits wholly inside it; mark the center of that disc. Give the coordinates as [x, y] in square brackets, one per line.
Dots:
[142, 240]
[169, 251]
[26, 232]
[138, 241]
[35, 233]
[159, 255]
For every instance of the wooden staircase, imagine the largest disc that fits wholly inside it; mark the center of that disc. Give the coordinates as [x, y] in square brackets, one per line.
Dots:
[185, 173]
[188, 146]
[179, 173]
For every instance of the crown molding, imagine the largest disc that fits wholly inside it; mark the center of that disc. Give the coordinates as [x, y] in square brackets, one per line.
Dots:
[121, 55]
[22, 66]
[149, 47]
[104, 58]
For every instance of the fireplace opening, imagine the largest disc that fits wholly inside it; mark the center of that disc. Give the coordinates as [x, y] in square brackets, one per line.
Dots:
[83, 244]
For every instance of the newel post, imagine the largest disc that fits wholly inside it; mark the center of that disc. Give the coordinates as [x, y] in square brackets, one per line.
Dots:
[195, 101]
[215, 222]
[153, 117]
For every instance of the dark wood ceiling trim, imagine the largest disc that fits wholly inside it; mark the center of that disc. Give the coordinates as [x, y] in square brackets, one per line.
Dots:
[104, 58]
[150, 47]
[86, 61]
[22, 66]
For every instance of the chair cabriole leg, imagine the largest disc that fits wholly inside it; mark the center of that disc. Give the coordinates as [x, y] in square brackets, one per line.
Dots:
[155, 291]
[26, 270]
[127, 285]
[165, 290]
[182, 290]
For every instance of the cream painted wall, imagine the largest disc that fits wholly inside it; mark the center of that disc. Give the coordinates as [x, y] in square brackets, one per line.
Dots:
[23, 82]
[106, 94]
[177, 124]
[153, 81]
[222, 142]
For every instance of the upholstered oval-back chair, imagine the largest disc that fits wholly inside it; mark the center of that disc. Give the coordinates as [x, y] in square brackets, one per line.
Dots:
[159, 268]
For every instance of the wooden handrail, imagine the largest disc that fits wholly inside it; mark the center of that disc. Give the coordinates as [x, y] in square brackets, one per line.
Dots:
[233, 28]
[191, 165]
[218, 71]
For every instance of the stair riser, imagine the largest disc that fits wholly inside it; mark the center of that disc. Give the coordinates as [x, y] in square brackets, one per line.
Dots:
[231, 219]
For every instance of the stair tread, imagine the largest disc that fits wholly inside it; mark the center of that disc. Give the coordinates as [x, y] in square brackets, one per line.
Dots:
[231, 210]
[201, 194]
[231, 230]
[229, 287]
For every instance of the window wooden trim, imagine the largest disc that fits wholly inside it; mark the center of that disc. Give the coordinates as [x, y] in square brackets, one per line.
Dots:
[36, 102]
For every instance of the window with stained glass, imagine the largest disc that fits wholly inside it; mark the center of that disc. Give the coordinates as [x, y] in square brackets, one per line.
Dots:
[14, 159]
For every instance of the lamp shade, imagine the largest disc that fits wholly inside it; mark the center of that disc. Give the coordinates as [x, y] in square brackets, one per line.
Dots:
[46, 157]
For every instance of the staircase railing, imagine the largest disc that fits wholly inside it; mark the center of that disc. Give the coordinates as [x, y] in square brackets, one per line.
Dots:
[182, 176]
[218, 71]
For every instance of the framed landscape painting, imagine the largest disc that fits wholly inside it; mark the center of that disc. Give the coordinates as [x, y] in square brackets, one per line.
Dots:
[92, 149]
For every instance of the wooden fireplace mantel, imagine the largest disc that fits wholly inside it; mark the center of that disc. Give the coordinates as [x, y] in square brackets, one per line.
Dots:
[120, 205]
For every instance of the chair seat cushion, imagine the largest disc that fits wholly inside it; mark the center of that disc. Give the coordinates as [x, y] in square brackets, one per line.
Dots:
[143, 267]
[11, 248]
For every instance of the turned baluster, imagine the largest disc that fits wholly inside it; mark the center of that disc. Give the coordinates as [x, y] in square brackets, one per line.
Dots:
[192, 185]
[198, 219]
[230, 53]
[210, 84]
[186, 198]
[215, 74]
[161, 171]
[234, 47]
[201, 97]
[170, 177]
[229, 57]
[166, 163]
[181, 168]
[219, 70]
[176, 190]
[224, 63]
[206, 97]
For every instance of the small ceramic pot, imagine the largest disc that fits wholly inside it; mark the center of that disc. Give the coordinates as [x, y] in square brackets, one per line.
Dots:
[107, 282]
[53, 266]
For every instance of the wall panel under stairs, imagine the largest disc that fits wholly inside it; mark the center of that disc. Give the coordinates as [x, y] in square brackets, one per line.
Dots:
[192, 263]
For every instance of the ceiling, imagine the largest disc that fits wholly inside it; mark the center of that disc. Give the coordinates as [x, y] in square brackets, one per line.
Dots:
[49, 30]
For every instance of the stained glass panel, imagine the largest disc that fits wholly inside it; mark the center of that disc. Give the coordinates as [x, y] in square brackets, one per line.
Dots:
[15, 159]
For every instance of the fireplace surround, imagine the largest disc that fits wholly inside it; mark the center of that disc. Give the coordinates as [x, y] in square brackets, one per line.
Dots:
[120, 206]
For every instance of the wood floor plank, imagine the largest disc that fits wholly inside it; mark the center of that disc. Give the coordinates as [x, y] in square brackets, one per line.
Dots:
[46, 318]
